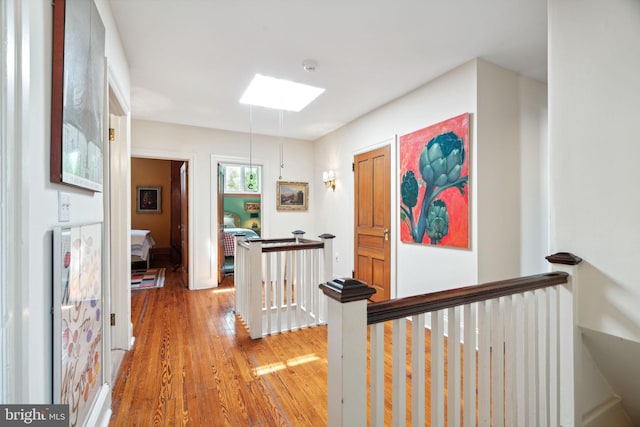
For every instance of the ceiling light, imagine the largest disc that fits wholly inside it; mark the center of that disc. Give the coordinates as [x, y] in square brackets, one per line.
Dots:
[279, 94]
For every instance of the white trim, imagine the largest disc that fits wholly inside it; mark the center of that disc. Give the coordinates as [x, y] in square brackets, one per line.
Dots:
[392, 142]
[101, 407]
[13, 206]
[4, 211]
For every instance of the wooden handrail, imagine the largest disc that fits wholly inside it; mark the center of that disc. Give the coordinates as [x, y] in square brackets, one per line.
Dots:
[285, 244]
[395, 309]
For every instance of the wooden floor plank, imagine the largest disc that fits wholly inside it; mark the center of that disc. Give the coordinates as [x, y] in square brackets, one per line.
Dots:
[194, 364]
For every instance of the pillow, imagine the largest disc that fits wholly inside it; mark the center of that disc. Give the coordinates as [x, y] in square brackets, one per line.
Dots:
[228, 222]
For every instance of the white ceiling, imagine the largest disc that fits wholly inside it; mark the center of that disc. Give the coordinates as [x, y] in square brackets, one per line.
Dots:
[191, 60]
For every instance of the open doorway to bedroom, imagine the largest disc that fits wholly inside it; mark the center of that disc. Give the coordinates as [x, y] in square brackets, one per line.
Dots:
[159, 205]
[239, 209]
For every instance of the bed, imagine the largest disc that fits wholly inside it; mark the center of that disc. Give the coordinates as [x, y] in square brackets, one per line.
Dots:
[141, 244]
[231, 223]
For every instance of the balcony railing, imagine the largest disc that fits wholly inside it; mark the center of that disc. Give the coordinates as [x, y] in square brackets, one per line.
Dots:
[276, 282]
[510, 353]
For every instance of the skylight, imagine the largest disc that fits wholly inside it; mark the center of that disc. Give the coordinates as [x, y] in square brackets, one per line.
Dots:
[279, 94]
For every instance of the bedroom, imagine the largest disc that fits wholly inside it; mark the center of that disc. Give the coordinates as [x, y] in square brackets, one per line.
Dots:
[241, 209]
[156, 206]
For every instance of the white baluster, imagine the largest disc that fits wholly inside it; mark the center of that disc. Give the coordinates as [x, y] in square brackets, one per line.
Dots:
[399, 366]
[377, 374]
[437, 368]
[484, 363]
[469, 375]
[417, 370]
[453, 366]
[497, 363]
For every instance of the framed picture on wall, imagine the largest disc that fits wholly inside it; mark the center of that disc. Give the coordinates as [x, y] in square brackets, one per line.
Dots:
[78, 319]
[292, 196]
[148, 199]
[77, 95]
[252, 207]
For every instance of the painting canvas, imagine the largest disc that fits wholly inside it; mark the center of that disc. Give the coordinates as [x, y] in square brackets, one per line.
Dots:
[148, 199]
[78, 318]
[434, 189]
[292, 196]
[78, 95]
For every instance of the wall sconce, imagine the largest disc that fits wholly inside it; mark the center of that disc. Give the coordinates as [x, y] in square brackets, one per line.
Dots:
[329, 179]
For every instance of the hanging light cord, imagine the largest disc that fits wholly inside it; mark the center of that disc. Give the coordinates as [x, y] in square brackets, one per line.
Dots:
[250, 137]
[280, 126]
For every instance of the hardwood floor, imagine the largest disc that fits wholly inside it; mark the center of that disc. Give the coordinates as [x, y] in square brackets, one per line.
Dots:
[194, 364]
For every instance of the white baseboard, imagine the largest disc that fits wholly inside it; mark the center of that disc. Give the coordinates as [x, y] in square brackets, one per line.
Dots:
[608, 413]
[101, 406]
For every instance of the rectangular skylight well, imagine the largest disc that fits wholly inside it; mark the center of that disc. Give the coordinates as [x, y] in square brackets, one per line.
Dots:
[279, 94]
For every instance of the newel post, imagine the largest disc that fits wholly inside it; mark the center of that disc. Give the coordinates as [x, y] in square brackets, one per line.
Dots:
[347, 351]
[327, 262]
[254, 289]
[327, 254]
[570, 341]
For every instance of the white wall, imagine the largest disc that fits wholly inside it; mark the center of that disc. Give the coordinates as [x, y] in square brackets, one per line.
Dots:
[594, 64]
[594, 110]
[497, 129]
[36, 210]
[208, 147]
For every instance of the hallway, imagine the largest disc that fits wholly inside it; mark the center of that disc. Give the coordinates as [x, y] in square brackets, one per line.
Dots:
[194, 364]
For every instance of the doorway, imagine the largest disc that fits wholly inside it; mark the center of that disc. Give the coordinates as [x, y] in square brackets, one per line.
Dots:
[239, 209]
[372, 220]
[168, 224]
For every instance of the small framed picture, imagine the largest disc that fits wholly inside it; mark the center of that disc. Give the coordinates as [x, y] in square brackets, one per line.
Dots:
[292, 196]
[252, 207]
[148, 199]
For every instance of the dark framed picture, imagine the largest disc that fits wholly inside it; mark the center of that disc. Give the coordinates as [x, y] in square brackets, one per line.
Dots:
[292, 196]
[148, 199]
[77, 95]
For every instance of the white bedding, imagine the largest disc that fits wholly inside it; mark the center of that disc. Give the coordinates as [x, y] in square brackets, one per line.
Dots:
[141, 243]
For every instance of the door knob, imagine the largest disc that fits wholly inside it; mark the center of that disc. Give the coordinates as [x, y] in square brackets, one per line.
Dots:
[386, 234]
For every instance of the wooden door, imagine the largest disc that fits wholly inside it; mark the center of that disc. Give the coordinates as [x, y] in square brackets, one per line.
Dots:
[184, 226]
[175, 236]
[372, 258]
[220, 223]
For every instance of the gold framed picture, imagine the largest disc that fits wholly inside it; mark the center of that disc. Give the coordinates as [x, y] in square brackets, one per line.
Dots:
[292, 196]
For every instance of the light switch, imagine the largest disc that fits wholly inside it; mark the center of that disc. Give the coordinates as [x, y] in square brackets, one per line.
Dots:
[64, 207]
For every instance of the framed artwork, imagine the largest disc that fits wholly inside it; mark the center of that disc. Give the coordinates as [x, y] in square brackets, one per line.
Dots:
[77, 95]
[434, 189]
[78, 318]
[252, 207]
[148, 199]
[292, 196]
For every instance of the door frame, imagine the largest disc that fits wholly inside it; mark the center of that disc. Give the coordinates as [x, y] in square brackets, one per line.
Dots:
[117, 222]
[215, 208]
[146, 153]
[392, 142]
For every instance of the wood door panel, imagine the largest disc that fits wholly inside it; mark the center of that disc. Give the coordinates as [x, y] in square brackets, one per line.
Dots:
[371, 242]
[372, 216]
[380, 199]
[373, 272]
[365, 198]
[184, 227]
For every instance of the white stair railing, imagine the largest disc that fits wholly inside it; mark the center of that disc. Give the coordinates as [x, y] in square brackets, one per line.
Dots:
[276, 282]
[518, 337]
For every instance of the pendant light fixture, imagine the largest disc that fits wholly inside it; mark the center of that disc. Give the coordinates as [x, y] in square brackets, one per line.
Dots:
[280, 127]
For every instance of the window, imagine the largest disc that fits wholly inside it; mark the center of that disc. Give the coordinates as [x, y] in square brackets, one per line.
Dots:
[242, 179]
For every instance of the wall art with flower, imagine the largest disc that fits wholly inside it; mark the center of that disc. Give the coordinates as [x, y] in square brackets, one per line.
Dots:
[434, 189]
[78, 318]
